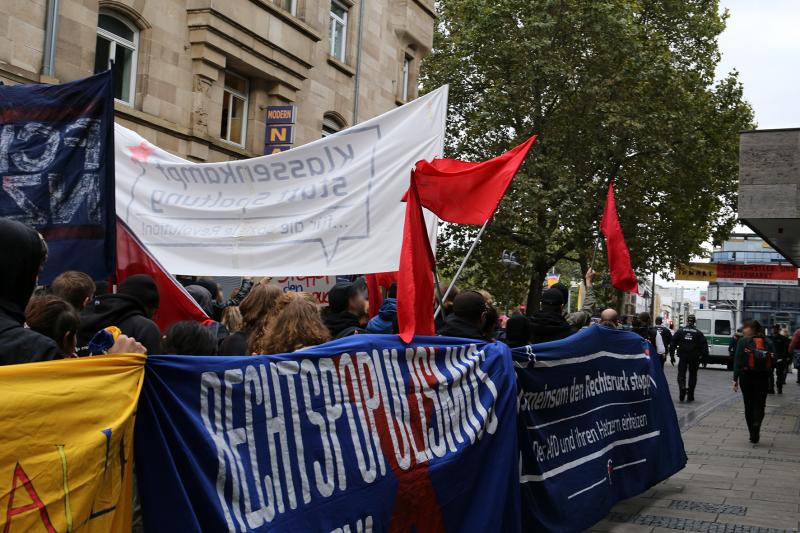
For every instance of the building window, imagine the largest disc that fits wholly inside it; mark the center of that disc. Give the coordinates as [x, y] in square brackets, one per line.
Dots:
[331, 124]
[338, 30]
[234, 109]
[117, 44]
[406, 82]
[288, 5]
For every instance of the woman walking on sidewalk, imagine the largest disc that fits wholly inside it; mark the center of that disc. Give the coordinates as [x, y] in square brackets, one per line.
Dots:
[752, 368]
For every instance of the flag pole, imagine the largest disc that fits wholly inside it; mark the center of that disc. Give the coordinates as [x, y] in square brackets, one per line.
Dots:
[438, 283]
[461, 268]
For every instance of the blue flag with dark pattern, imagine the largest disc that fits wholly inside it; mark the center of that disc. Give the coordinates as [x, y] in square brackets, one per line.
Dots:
[57, 167]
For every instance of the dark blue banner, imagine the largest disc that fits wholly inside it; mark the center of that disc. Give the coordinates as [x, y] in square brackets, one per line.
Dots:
[360, 434]
[596, 425]
[57, 166]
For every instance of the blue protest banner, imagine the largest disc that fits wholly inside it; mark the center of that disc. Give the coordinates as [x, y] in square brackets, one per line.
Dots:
[57, 165]
[597, 425]
[360, 434]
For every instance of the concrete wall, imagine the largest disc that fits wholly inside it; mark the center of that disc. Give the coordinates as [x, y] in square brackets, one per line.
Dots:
[769, 187]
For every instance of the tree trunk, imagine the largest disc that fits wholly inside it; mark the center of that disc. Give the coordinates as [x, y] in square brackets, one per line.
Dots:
[535, 291]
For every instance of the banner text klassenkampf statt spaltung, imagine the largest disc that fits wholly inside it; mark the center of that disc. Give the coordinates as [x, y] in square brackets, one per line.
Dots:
[360, 434]
[596, 425]
[329, 207]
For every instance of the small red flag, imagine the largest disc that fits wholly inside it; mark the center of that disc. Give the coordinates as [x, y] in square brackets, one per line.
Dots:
[415, 279]
[175, 303]
[619, 259]
[468, 193]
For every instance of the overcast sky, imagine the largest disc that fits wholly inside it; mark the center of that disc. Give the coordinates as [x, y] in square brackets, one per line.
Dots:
[762, 42]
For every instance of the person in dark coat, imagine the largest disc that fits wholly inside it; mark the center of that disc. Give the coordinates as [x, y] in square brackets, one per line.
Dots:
[467, 318]
[130, 309]
[518, 331]
[18, 275]
[548, 324]
[346, 306]
[203, 298]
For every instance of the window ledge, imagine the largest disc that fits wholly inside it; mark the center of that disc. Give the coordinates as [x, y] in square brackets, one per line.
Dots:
[344, 67]
[399, 101]
[292, 20]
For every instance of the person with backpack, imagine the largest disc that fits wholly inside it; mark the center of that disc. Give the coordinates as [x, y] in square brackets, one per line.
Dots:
[661, 337]
[692, 348]
[752, 366]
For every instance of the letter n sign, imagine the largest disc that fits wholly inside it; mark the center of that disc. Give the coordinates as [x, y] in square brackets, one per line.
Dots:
[280, 134]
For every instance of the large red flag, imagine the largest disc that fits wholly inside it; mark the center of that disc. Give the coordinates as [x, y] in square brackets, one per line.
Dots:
[619, 259]
[468, 193]
[415, 279]
[456, 191]
[175, 303]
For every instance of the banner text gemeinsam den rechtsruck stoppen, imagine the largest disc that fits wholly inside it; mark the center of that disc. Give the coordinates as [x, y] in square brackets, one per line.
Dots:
[596, 425]
[330, 207]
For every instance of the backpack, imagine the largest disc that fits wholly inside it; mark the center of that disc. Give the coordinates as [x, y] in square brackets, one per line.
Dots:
[757, 357]
[660, 348]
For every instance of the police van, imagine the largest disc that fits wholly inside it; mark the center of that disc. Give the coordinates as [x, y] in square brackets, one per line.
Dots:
[719, 327]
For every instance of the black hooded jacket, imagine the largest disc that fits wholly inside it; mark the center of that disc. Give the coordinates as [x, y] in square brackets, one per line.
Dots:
[343, 324]
[19, 344]
[549, 326]
[456, 326]
[125, 312]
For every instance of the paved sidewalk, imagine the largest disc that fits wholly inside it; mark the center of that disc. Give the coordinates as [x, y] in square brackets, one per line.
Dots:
[728, 485]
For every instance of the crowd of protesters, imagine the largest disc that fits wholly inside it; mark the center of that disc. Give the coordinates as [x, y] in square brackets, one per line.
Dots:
[77, 316]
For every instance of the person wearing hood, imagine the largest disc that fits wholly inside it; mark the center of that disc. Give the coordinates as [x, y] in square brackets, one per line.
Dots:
[346, 306]
[518, 331]
[130, 309]
[18, 277]
[203, 298]
[467, 318]
[549, 324]
[383, 322]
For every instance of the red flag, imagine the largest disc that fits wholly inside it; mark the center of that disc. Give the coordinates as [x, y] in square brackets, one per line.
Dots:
[458, 192]
[619, 259]
[464, 192]
[175, 303]
[415, 279]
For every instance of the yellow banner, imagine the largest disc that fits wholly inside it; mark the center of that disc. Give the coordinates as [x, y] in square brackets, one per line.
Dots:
[697, 272]
[66, 453]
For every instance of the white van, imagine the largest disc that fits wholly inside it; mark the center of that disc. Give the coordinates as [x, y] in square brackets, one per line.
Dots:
[718, 326]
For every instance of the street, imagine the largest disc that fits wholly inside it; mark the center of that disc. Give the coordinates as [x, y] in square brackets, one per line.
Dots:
[728, 484]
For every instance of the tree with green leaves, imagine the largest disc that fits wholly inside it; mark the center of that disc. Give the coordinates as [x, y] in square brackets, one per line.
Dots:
[613, 89]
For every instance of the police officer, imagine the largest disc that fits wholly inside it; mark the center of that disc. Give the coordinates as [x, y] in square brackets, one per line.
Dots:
[692, 347]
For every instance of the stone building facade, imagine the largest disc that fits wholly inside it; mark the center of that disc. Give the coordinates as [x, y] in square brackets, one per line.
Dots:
[196, 77]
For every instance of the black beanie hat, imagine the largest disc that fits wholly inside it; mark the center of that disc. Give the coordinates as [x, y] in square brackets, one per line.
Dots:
[552, 297]
[141, 288]
[339, 296]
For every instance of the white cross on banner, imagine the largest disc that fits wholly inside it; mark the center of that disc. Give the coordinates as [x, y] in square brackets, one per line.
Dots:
[326, 208]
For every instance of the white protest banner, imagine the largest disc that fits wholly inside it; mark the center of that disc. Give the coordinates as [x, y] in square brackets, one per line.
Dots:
[326, 208]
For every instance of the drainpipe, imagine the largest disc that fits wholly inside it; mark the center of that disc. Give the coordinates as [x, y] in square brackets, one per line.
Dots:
[357, 85]
[50, 39]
